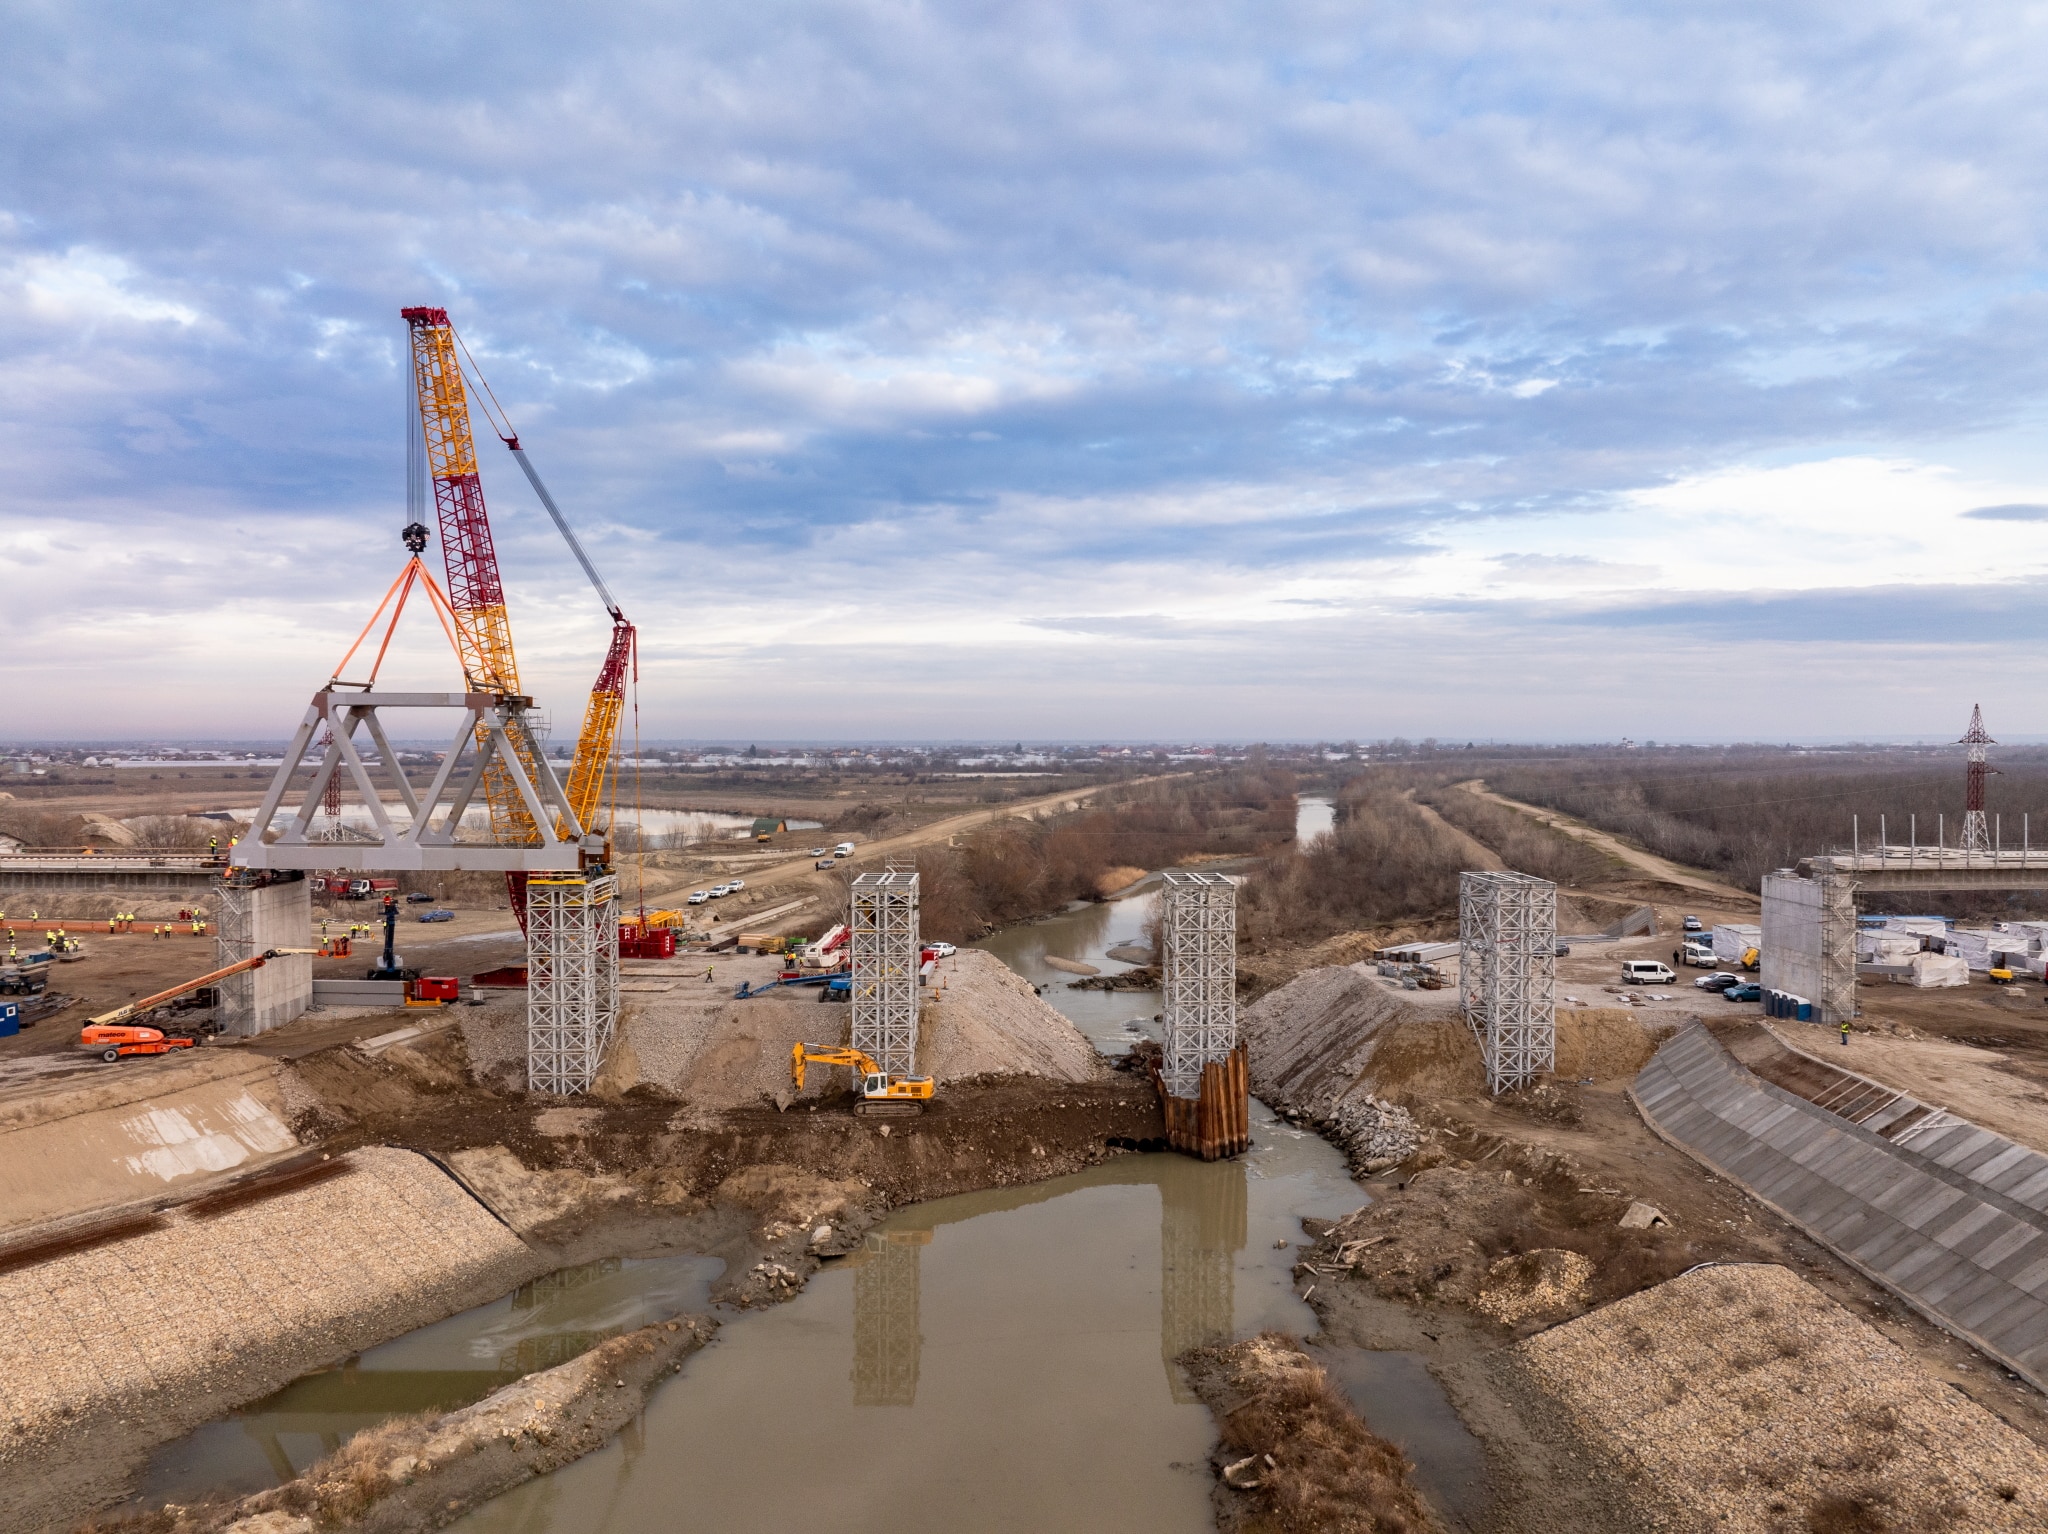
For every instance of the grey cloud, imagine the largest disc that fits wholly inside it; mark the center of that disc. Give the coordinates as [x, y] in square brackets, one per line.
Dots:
[751, 282]
[2017, 512]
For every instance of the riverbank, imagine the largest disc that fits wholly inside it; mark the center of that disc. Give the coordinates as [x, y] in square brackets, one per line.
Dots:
[445, 1187]
[1536, 1252]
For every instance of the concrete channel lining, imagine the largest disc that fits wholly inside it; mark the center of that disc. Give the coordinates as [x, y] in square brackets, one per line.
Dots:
[1970, 1257]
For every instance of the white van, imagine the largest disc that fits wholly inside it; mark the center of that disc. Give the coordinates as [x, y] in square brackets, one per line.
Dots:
[1645, 972]
[843, 850]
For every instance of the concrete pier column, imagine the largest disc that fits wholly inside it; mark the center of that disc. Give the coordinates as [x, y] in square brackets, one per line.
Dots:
[255, 918]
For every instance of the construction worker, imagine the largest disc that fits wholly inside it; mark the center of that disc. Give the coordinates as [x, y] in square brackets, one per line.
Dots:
[1845, 1033]
[198, 928]
[707, 974]
[157, 930]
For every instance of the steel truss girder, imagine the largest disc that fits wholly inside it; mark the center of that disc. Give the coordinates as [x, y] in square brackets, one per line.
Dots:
[489, 739]
[572, 979]
[884, 941]
[1507, 973]
[1199, 974]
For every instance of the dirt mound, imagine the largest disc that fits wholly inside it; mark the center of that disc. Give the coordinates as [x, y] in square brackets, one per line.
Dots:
[1755, 1402]
[1605, 1043]
[1333, 1033]
[696, 1042]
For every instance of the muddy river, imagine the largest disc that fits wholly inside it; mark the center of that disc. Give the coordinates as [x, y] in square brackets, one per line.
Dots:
[1000, 1360]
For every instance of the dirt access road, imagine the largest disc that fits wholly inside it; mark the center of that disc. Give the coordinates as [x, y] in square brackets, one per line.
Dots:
[1657, 868]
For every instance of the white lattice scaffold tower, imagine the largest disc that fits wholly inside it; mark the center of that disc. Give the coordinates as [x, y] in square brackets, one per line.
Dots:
[1507, 973]
[1199, 933]
[572, 985]
[884, 941]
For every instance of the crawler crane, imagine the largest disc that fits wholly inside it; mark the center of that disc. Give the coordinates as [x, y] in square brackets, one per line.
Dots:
[476, 591]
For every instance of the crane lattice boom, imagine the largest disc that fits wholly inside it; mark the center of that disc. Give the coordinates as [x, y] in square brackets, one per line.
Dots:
[474, 588]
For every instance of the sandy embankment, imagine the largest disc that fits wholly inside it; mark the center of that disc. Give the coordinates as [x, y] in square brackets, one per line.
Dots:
[420, 1472]
[1799, 1412]
[219, 1305]
[132, 1134]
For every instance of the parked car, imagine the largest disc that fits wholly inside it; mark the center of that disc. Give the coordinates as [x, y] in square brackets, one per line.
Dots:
[1700, 958]
[442, 914]
[826, 863]
[1645, 972]
[698, 897]
[1562, 949]
[1718, 981]
[734, 886]
[1692, 924]
[820, 852]
[720, 891]
[419, 897]
[1749, 990]
[943, 950]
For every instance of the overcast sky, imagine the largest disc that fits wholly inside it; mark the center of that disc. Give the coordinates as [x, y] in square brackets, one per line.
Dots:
[1137, 371]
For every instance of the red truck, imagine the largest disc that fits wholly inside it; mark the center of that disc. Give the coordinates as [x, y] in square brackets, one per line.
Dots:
[362, 889]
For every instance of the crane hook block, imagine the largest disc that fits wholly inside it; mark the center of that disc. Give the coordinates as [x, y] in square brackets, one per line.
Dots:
[415, 536]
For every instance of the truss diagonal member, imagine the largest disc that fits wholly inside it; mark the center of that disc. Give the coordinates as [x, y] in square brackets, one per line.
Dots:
[492, 727]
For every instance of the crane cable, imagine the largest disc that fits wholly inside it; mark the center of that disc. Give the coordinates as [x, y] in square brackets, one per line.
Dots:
[495, 413]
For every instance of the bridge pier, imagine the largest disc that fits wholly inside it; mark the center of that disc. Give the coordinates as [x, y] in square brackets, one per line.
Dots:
[253, 919]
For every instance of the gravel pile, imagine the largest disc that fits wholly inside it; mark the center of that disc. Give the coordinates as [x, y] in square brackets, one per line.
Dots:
[1750, 1401]
[238, 1302]
[984, 1019]
[977, 1017]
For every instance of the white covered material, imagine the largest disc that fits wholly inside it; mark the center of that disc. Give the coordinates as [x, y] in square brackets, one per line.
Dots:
[1925, 926]
[1972, 945]
[1881, 947]
[1732, 942]
[1932, 970]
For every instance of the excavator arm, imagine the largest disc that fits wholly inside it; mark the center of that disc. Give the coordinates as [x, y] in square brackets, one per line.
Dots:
[800, 1054]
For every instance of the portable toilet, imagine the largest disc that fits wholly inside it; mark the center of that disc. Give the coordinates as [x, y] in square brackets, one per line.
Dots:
[10, 1019]
[1805, 1011]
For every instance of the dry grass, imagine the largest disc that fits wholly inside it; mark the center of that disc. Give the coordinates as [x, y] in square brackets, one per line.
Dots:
[1314, 1465]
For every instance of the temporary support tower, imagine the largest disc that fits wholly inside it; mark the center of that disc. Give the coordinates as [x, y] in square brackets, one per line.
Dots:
[1507, 973]
[572, 988]
[1203, 1083]
[884, 941]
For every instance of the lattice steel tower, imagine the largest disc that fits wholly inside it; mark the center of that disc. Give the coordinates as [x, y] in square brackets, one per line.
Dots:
[572, 986]
[1199, 933]
[1976, 834]
[884, 941]
[1507, 973]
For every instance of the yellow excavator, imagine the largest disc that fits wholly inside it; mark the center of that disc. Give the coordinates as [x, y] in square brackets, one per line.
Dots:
[876, 1091]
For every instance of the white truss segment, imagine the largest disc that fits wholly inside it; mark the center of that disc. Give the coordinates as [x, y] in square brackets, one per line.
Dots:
[1507, 973]
[884, 940]
[424, 835]
[1199, 934]
[572, 978]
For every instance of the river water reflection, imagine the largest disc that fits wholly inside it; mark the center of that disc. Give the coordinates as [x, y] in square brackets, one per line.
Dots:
[1000, 1360]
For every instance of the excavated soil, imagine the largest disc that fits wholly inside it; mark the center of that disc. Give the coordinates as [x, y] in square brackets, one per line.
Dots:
[693, 1040]
[1740, 1398]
